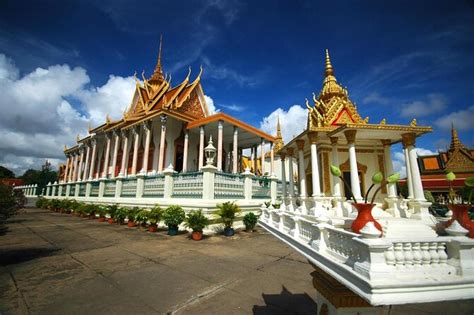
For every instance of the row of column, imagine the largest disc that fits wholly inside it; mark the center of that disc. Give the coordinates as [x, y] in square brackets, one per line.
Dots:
[414, 182]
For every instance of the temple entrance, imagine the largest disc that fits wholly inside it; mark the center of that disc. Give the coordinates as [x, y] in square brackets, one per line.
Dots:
[347, 178]
[178, 158]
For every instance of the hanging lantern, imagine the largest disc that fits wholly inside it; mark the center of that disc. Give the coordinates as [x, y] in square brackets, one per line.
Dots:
[210, 152]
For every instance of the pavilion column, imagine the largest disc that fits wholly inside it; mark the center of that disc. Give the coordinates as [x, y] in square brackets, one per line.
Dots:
[201, 147]
[301, 170]
[125, 153]
[116, 148]
[283, 174]
[272, 160]
[146, 152]
[313, 138]
[262, 155]
[81, 165]
[136, 144]
[355, 182]
[66, 169]
[107, 155]
[94, 151]
[220, 139]
[391, 187]
[255, 163]
[336, 187]
[76, 162]
[185, 151]
[408, 170]
[409, 142]
[161, 159]
[235, 150]
[86, 167]
[290, 152]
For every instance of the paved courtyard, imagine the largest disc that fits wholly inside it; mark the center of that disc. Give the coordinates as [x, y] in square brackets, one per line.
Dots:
[58, 264]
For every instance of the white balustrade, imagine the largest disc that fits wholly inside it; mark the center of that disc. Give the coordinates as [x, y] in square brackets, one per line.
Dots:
[230, 186]
[154, 186]
[129, 187]
[187, 185]
[109, 188]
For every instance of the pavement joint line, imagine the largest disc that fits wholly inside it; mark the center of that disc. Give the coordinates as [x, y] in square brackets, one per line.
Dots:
[19, 290]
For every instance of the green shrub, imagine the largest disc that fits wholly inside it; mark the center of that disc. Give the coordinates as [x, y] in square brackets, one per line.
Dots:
[227, 211]
[55, 204]
[40, 202]
[132, 213]
[9, 202]
[142, 217]
[111, 210]
[173, 215]
[101, 210]
[196, 221]
[120, 215]
[250, 220]
[154, 216]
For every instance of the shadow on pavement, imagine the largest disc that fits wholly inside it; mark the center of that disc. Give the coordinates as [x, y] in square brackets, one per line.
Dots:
[16, 256]
[286, 303]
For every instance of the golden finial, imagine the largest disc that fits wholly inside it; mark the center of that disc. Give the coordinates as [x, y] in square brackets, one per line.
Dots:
[329, 70]
[107, 119]
[65, 147]
[135, 76]
[413, 123]
[158, 73]
[78, 138]
[189, 73]
[200, 72]
[383, 122]
[366, 120]
[315, 100]
[307, 104]
[143, 75]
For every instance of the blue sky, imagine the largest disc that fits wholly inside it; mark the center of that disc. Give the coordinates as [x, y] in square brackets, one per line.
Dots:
[399, 60]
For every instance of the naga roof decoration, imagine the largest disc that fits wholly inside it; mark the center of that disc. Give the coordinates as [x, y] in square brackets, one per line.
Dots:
[332, 107]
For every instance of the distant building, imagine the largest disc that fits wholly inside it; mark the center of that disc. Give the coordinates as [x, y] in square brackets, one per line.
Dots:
[11, 181]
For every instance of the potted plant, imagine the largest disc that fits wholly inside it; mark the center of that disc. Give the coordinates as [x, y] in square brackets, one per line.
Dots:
[227, 212]
[173, 217]
[111, 210]
[142, 217]
[120, 215]
[154, 217]
[250, 220]
[131, 216]
[101, 211]
[364, 210]
[196, 221]
[460, 211]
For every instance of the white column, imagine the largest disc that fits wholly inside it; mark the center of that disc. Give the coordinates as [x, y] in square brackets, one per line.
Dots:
[355, 182]
[86, 167]
[66, 168]
[313, 138]
[220, 140]
[76, 163]
[392, 189]
[125, 153]
[71, 170]
[116, 148]
[146, 152]
[255, 164]
[185, 151]
[409, 142]
[107, 155]
[262, 155]
[161, 159]
[201, 147]
[408, 170]
[301, 170]
[235, 150]
[136, 144]
[283, 175]
[81, 164]
[290, 171]
[336, 187]
[94, 150]
[272, 160]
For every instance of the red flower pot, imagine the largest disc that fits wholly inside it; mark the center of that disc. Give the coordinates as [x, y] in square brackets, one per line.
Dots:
[152, 228]
[101, 219]
[91, 216]
[196, 235]
[131, 224]
[364, 215]
[111, 221]
[460, 214]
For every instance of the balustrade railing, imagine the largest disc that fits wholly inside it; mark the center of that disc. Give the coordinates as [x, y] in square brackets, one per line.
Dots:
[109, 188]
[94, 189]
[63, 190]
[154, 186]
[187, 185]
[417, 254]
[228, 186]
[260, 187]
[82, 190]
[72, 191]
[129, 187]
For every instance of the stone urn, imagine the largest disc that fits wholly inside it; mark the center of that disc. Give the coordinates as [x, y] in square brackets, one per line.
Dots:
[364, 215]
[460, 214]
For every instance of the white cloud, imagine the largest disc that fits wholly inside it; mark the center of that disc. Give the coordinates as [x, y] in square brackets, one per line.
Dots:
[234, 108]
[462, 120]
[398, 160]
[292, 122]
[210, 105]
[45, 109]
[434, 104]
[375, 98]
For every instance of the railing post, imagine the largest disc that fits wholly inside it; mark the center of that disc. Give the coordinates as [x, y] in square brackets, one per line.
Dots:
[76, 190]
[247, 184]
[118, 187]
[140, 185]
[35, 190]
[53, 193]
[273, 188]
[168, 189]
[461, 255]
[68, 189]
[60, 190]
[88, 189]
[208, 178]
[102, 187]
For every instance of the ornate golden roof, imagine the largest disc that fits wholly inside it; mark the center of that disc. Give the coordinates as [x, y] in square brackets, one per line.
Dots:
[459, 156]
[332, 107]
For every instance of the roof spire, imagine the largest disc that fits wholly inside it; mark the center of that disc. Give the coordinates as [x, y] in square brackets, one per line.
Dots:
[158, 73]
[328, 70]
[455, 142]
[279, 138]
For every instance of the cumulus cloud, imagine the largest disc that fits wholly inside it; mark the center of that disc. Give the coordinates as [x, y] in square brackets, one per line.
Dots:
[462, 120]
[45, 109]
[435, 103]
[375, 98]
[292, 122]
[210, 105]
[398, 160]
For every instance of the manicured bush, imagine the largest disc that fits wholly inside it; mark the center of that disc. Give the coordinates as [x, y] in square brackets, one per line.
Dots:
[142, 217]
[111, 210]
[120, 215]
[227, 211]
[173, 217]
[196, 221]
[155, 214]
[132, 214]
[250, 220]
